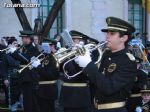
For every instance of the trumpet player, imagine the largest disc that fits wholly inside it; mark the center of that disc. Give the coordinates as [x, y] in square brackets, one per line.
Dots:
[114, 78]
[48, 72]
[2, 47]
[28, 77]
[10, 76]
[140, 81]
[75, 93]
[144, 105]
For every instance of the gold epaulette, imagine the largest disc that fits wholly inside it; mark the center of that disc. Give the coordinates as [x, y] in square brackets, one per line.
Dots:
[131, 57]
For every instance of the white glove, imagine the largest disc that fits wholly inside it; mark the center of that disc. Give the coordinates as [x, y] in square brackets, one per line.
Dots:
[58, 45]
[76, 46]
[12, 49]
[138, 109]
[6, 82]
[36, 63]
[83, 61]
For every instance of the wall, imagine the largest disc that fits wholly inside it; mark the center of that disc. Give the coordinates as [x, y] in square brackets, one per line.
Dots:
[88, 16]
[9, 22]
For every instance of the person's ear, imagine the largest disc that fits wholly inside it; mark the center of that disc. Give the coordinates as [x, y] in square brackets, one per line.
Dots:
[124, 38]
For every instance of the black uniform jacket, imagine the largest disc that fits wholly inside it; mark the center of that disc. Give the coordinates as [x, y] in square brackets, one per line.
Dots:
[135, 98]
[145, 107]
[75, 97]
[28, 52]
[2, 70]
[140, 81]
[48, 72]
[115, 77]
[10, 66]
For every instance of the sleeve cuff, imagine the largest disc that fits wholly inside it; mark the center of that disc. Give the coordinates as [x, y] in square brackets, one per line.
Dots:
[90, 68]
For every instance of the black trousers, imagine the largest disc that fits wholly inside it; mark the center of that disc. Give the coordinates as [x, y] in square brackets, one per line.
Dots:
[15, 90]
[113, 110]
[12, 92]
[29, 97]
[86, 109]
[46, 105]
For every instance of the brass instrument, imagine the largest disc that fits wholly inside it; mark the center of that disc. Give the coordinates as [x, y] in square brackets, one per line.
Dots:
[29, 64]
[145, 108]
[67, 54]
[4, 49]
[139, 52]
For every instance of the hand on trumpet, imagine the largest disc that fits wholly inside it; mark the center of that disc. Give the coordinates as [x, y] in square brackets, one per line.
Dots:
[138, 109]
[12, 49]
[35, 62]
[6, 82]
[83, 60]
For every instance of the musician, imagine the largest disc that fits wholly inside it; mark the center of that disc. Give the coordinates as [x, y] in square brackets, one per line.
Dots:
[75, 93]
[148, 55]
[28, 78]
[3, 44]
[36, 41]
[10, 76]
[144, 105]
[140, 81]
[115, 76]
[58, 39]
[48, 91]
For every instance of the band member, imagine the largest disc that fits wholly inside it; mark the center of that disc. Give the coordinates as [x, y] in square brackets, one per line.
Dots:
[115, 76]
[48, 91]
[36, 41]
[28, 77]
[58, 39]
[75, 93]
[140, 81]
[3, 45]
[144, 105]
[10, 76]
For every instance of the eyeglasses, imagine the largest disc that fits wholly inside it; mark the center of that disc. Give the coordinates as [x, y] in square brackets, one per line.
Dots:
[51, 44]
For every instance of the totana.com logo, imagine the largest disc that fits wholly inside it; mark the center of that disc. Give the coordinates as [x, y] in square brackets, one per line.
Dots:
[31, 5]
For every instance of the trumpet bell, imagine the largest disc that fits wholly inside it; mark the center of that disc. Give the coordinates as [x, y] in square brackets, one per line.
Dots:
[70, 55]
[64, 54]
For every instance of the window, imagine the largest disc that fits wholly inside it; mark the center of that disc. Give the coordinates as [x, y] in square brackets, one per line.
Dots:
[136, 15]
[46, 6]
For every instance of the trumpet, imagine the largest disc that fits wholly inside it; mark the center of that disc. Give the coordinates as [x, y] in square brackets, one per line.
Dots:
[5, 49]
[61, 57]
[32, 60]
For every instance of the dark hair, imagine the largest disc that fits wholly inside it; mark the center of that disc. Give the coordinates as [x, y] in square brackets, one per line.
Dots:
[30, 37]
[6, 38]
[61, 39]
[11, 40]
[130, 37]
[55, 36]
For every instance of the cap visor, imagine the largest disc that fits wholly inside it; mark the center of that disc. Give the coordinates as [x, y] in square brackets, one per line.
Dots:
[145, 91]
[111, 30]
[22, 35]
